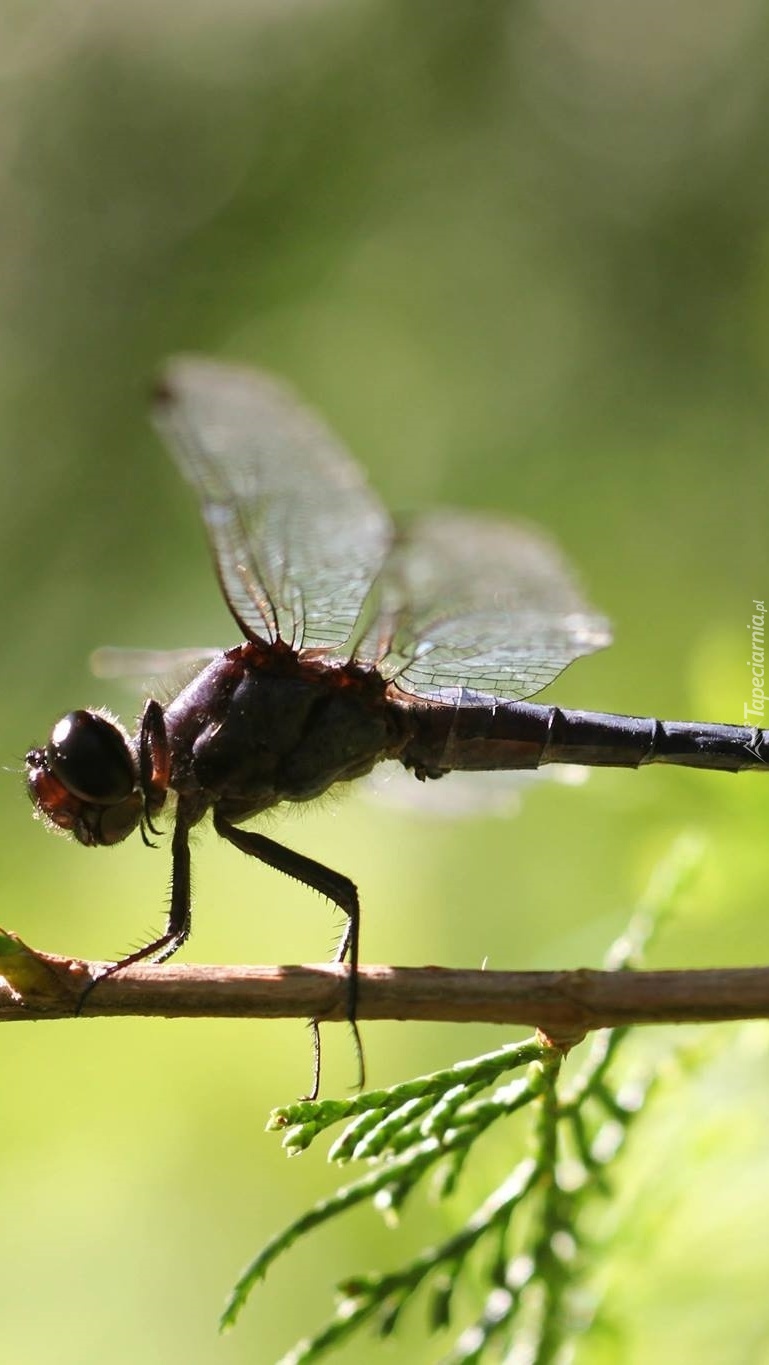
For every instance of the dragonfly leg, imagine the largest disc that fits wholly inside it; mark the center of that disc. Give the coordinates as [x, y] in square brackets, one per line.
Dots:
[338, 889]
[179, 915]
[154, 763]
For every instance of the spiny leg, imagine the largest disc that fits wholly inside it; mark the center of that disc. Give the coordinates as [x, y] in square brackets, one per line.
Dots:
[154, 763]
[338, 889]
[179, 913]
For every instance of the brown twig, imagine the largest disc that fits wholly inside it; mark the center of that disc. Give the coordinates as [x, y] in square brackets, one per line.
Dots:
[562, 1004]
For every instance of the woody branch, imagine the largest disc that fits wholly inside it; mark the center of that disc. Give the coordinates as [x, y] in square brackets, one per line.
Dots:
[563, 1004]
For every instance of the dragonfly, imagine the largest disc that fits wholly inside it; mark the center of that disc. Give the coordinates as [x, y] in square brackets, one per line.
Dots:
[363, 641]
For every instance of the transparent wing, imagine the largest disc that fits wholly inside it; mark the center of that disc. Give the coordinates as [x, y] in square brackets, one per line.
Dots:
[461, 795]
[161, 673]
[476, 608]
[297, 534]
[114, 661]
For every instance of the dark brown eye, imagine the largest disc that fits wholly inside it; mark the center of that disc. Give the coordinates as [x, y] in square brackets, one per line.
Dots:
[90, 757]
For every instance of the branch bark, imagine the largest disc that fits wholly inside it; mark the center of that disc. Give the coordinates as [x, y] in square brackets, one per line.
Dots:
[563, 1004]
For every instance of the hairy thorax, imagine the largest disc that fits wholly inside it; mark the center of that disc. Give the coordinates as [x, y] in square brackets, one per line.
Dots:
[252, 730]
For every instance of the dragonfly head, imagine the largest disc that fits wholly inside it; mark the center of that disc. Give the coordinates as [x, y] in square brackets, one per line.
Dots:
[86, 779]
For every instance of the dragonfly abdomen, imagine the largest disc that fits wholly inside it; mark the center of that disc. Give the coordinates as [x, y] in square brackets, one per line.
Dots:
[515, 735]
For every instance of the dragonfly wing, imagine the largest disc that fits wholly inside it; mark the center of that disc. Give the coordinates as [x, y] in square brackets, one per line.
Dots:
[160, 673]
[297, 534]
[477, 608]
[461, 795]
[113, 661]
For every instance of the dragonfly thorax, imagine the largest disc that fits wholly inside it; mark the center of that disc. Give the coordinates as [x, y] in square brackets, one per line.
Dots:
[245, 735]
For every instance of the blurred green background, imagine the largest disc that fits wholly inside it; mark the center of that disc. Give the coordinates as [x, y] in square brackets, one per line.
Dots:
[519, 256]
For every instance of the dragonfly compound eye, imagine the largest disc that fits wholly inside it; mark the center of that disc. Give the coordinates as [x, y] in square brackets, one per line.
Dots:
[91, 758]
